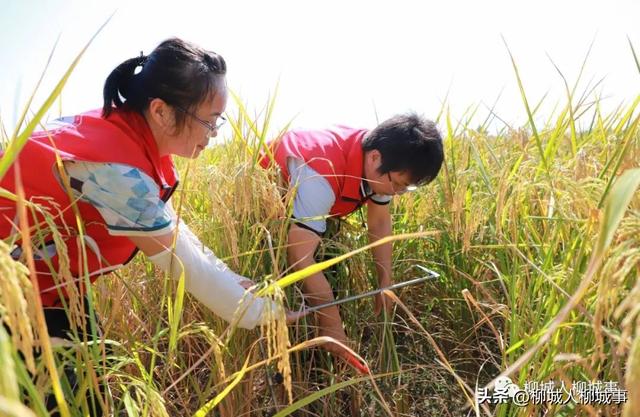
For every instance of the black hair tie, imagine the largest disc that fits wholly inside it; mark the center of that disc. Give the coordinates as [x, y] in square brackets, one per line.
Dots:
[142, 59]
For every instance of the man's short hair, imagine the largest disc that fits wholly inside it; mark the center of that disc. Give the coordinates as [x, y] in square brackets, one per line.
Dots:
[410, 143]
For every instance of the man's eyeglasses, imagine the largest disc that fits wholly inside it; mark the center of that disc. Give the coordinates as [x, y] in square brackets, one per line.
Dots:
[220, 120]
[400, 189]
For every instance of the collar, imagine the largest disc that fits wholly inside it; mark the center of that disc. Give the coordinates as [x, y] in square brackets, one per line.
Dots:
[365, 189]
[162, 165]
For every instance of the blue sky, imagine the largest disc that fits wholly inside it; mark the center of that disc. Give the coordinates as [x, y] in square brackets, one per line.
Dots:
[336, 61]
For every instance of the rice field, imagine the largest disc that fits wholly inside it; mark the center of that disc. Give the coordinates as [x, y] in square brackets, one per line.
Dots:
[534, 230]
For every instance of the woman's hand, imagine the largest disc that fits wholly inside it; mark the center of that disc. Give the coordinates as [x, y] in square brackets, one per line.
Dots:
[246, 283]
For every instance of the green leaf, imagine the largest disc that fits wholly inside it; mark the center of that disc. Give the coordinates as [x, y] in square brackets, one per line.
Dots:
[319, 394]
[17, 142]
[204, 410]
[616, 205]
[317, 267]
[635, 57]
[132, 410]
[175, 313]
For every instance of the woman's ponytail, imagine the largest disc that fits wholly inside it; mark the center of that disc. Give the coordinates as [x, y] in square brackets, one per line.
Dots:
[121, 83]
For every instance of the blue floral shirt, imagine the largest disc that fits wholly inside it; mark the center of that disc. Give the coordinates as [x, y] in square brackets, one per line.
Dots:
[126, 197]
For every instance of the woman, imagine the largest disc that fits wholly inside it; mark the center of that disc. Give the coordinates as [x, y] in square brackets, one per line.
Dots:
[118, 175]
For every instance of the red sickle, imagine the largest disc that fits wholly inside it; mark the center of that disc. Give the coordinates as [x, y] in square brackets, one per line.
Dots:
[362, 368]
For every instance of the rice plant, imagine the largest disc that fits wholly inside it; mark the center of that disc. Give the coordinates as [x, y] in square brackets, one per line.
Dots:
[534, 231]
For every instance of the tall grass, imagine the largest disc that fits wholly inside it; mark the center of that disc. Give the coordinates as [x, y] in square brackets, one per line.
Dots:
[539, 252]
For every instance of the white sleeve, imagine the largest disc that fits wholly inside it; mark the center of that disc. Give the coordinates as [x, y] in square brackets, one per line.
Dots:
[211, 282]
[208, 253]
[381, 199]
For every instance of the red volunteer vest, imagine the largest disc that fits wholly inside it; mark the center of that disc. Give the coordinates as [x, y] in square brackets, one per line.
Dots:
[123, 138]
[335, 153]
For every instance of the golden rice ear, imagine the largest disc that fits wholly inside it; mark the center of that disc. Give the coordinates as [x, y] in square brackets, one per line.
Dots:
[16, 304]
[276, 333]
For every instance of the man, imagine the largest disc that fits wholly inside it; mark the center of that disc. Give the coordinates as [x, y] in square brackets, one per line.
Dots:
[334, 172]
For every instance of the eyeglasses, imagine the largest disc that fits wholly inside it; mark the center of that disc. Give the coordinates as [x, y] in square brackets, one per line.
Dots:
[220, 120]
[400, 189]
